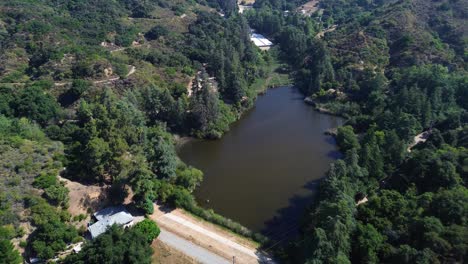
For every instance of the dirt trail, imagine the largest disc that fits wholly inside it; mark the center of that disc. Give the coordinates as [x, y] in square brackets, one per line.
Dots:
[108, 80]
[362, 201]
[209, 236]
[132, 71]
[321, 34]
[420, 138]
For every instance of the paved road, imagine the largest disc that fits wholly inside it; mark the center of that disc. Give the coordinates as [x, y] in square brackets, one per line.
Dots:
[218, 243]
[190, 249]
[212, 235]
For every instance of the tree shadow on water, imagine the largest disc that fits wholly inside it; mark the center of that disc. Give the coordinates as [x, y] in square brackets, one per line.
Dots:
[334, 154]
[285, 225]
[330, 140]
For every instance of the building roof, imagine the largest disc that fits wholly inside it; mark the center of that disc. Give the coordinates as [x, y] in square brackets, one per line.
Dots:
[106, 212]
[260, 41]
[108, 217]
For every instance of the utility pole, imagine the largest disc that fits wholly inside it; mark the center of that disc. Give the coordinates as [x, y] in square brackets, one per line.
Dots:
[233, 259]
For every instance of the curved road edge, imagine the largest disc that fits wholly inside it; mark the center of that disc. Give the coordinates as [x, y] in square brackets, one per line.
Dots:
[190, 249]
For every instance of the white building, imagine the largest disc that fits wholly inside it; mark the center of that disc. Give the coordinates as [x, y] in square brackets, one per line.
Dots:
[109, 216]
[260, 41]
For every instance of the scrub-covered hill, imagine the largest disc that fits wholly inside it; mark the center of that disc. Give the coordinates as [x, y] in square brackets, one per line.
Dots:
[95, 90]
[397, 71]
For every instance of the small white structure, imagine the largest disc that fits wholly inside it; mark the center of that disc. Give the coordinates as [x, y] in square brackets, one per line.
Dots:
[109, 216]
[77, 247]
[243, 8]
[260, 41]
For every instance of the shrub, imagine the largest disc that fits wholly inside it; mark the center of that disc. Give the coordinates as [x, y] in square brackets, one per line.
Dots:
[79, 86]
[57, 194]
[148, 228]
[146, 205]
[44, 181]
[23, 244]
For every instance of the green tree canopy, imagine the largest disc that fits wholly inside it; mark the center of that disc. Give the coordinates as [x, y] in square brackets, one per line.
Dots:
[115, 246]
[148, 228]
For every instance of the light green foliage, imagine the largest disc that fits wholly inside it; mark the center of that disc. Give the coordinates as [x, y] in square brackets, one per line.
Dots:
[15, 130]
[45, 180]
[57, 194]
[189, 177]
[148, 228]
[28, 156]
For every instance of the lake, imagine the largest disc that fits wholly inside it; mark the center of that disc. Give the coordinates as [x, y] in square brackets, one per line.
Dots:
[264, 171]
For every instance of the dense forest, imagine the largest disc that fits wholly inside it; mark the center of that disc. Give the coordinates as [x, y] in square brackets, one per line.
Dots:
[94, 91]
[394, 69]
[98, 92]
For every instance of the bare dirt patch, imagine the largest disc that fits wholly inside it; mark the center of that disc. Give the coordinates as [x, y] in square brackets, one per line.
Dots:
[321, 34]
[85, 197]
[420, 138]
[310, 7]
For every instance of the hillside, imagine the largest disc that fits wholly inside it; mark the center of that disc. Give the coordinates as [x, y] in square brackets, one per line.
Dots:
[106, 85]
[46, 40]
[98, 92]
[396, 70]
[412, 32]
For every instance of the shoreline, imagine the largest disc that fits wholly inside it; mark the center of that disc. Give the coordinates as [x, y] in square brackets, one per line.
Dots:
[309, 101]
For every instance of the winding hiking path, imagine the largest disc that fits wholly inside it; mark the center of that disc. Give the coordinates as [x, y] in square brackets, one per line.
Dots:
[109, 80]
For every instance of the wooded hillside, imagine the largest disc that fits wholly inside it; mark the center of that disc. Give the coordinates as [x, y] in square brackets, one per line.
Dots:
[394, 69]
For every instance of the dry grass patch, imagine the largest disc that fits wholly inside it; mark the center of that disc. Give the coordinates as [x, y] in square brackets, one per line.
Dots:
[164, 254]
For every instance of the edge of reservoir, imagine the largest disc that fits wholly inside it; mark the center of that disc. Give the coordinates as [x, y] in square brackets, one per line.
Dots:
[265, 170]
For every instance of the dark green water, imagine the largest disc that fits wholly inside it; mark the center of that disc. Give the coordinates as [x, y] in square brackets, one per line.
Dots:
[264, 171]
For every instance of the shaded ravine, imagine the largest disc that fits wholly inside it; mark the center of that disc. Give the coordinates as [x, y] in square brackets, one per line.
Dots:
[265, 170]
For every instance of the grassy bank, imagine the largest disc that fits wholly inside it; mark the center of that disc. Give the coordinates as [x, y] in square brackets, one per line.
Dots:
[209, 215]
[276, 74]
[260, 241]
